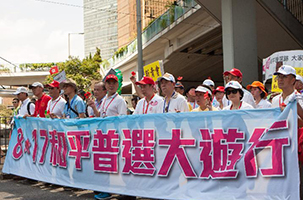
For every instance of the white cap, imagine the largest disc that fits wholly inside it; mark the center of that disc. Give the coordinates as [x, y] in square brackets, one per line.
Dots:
[20, 90]
[299, 78]
[203, 89]
[208, 82]
[234, 85]
[36, 84]
[286, 70]
[168, 77]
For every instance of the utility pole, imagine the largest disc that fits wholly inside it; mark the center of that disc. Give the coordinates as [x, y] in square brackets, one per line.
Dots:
[139, 40]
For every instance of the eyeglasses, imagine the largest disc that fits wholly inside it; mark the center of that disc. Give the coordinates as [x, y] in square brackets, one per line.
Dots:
[228, 92]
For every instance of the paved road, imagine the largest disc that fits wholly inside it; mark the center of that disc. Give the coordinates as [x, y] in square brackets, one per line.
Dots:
[25, 190]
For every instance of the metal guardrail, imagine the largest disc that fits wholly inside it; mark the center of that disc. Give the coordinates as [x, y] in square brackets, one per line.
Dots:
[295, 7]
[5, 129]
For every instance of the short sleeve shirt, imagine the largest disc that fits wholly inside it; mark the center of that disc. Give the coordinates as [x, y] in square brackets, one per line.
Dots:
[77, 104]
[41, 105]
[23, 108]
[56, 106]
[155, 105]
[263, 104]
[244, 106]
[114, 105]
[176, 103]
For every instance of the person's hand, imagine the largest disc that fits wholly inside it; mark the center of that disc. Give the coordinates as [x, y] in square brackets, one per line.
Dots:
[53, 116]
[133, 79]
[26, 115]
[91, 103]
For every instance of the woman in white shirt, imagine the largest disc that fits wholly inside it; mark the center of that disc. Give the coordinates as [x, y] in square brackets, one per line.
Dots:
[234, 93]
[259, 93]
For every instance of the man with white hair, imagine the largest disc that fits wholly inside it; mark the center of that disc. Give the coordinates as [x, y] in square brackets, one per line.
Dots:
[27, 108]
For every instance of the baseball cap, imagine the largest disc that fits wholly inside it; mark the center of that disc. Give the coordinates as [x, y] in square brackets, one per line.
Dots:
[299, 78]
[111, 76]
[36, 84]
[286, 70]
[219, 89]
[234, 85]
[54, 84]
[168, 77]
[20, 90]
[234, 72]
[203, 89]
[257, 84]
[208, 82]
[179, 85]
[146, 81]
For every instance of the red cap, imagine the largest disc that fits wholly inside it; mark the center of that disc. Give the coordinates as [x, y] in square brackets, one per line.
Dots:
[111, 76]
[234, 72]
[146, 80]
[54, 84]
[219, 89]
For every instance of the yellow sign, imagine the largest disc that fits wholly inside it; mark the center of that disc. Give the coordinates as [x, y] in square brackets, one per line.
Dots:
[274, 83]
[154, 70]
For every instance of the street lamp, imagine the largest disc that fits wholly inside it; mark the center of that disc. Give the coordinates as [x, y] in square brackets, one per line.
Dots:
[69, 40]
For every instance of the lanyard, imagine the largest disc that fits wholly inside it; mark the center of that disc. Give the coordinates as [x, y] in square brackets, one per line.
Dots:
[231, 107]
[167, 104]
[281, 102]
[147, 104]
[104, 111]
[98, 104]
[54, 106]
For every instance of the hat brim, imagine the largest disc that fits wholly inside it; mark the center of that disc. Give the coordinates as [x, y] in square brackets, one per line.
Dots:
[165, 78]
[255, 86]
[111, 79]
[141, 83]
[67, 83]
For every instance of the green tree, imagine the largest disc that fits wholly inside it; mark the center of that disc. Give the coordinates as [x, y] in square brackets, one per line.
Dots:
[83, 72]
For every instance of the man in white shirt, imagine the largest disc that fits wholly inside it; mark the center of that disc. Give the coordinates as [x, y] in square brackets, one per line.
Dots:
[95, 106]
[173, 102]
[236, 75]
[55, 106]
[113, 104]
[151, 103]
[27, 107]
[286, 81]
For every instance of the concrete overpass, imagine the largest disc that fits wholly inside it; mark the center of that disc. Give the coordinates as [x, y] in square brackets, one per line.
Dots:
[219, 35]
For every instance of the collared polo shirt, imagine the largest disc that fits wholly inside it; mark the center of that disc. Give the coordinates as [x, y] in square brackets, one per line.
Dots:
[155, 105]
[41, 105]
[23, 108]
[56, 106]
[77, 104]
[113, 106]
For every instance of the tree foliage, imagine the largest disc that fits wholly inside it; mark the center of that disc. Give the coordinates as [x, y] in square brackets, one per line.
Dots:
[83, 72]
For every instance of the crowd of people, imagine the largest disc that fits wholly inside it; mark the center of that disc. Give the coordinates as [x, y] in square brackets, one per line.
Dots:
[105, 100]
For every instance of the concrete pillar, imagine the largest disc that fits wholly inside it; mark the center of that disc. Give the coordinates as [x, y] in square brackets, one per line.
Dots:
[239, 38]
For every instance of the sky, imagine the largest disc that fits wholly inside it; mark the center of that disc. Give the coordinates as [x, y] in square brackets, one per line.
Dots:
[32, 31]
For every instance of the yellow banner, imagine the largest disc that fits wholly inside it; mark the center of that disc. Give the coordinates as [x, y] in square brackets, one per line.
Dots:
[274, 84]
[153, 70]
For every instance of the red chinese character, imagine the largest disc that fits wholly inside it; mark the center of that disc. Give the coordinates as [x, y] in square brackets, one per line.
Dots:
[105, 151]
[34, 135]
[176, 150]
[276, 146]
[18, 151]
[58, 149]
[220, 153]
[79, 143]
[43, 134]
[138, 152]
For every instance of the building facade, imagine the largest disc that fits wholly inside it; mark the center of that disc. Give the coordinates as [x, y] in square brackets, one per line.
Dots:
[100, 27]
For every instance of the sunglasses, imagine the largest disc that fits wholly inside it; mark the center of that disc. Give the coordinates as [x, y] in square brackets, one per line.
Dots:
[228, 92]
[14, 102]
